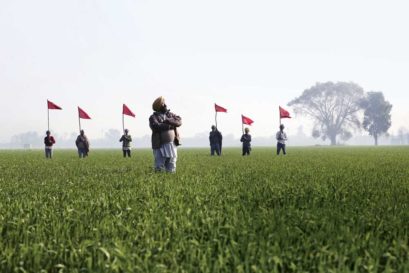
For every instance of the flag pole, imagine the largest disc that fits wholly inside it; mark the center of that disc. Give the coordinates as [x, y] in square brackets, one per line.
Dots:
[79, 122]
[242, 125]
[215, 119]
[48, 118]
[279, 114]
[123, 123]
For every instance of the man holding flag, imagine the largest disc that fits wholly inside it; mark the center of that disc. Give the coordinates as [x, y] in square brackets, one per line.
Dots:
[215, 138]
[281, 136]
[49, 141]
[126, 140]
[82, 144]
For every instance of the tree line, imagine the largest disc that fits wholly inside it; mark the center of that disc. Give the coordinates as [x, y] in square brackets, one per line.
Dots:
[337, 109]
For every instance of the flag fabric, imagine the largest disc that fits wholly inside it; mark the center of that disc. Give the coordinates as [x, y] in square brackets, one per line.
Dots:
[82, 114]
[218, 108]
[53, 106]
[127, 111]
[284, 113]
[246, 120]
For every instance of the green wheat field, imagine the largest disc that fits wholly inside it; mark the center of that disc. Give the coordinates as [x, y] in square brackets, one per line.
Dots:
[317, 209]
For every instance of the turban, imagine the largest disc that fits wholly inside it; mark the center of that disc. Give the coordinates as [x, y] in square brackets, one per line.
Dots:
[157, 104]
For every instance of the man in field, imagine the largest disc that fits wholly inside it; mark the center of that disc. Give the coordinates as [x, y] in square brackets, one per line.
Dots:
[82, 144]
[281, 137]
[165, 138]
[126, 140]
[215, 138]
[246, 139]
[49, 141]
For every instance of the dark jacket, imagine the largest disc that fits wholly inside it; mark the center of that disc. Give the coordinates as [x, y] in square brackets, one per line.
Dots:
[126, 141]
[82, 142]
[163, 128]
[246, 139]
[215, 137]
[49, 141]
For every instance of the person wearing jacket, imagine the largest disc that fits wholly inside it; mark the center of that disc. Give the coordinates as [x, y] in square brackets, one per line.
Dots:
[126, 140]
[246, 139]
[82, 144]
[215, 139]
[165, 138]
[49, 141]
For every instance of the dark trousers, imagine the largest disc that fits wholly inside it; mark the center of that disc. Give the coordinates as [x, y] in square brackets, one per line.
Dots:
[82, 152]
[280, 147]
[127, 153]
[246, 150]
[215, 148]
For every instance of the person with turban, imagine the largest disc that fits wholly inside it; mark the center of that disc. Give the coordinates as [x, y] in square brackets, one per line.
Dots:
[165, 137]
[246, 139]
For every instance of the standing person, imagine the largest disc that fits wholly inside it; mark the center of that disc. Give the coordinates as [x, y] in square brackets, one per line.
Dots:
[82, 144]
[49, 141]
[163, 124]
[246, 139]
[281, 137]
[215, 138]
[126, 140]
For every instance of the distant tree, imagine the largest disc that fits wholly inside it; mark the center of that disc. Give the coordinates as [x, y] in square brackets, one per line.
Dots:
[333, 107]
[377, 114]
[27, 138]
[112, 137]
[402, 132]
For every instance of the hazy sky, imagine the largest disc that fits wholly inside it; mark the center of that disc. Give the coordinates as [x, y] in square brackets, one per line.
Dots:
[248, 56]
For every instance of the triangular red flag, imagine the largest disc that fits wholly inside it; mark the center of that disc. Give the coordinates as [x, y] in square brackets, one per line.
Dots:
[53, 106]
[127, 111]
[218, 108]
[246, 120]
[284, 113]
[82, 114]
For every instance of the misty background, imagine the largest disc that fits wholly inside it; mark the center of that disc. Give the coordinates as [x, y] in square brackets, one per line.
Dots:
[249, 57]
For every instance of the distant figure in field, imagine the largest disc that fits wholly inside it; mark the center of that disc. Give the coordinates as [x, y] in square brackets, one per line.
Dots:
[82, 144]
[165, 137]
[246, 139]
[281, 137]
[126, 140]
[215, 138]
[49, 141]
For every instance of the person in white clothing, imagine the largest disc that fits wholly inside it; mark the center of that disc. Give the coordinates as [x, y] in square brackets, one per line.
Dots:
[281, 137]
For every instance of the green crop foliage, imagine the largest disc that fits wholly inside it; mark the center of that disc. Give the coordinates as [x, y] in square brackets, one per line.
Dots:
[314, 210]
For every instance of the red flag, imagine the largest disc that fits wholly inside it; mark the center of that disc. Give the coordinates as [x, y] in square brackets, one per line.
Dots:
[82, 114]
[127, 111]
[53, 106]
[284, 113]
[246, 120]
[218, 108]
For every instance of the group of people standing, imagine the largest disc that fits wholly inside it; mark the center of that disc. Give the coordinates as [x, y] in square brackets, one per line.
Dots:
[165, 139]
[216, 140]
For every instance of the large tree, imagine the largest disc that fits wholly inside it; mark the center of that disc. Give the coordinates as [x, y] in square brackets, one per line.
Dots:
[333, 107]
[377, 114]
